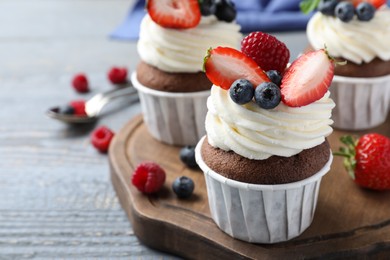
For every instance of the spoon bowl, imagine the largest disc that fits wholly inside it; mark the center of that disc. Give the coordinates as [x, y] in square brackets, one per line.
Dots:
[94, 106]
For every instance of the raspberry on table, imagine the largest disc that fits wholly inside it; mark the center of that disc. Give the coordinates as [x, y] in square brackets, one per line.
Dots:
[148, 177]
[117, 75]
[80, 83]
[101, 138]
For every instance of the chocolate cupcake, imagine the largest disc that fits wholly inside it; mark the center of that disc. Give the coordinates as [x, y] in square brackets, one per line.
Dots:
[173, 88]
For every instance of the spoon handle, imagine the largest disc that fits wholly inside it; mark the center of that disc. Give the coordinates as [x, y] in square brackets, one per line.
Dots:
[96, 103]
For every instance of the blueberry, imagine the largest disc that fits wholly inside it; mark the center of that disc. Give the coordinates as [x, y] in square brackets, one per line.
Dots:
[345, 11]
[66, 110]
[241, 91]
[365, 11]
[183, 187]
[327, 7]
[208, 7]
[275, 76]
[187, 156]
[267, 95]
[226, 11]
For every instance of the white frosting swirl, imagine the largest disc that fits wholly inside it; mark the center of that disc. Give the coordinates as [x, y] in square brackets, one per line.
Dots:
[356, 40]
[174, 50]
[257, 133]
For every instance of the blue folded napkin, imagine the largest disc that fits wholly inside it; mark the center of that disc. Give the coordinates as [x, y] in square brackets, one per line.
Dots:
[252, 15]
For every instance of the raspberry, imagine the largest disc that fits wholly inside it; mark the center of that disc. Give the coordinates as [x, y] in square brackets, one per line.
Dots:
[80, 83]
[268, 52]
[117, 75]
[78, 107]
[148, 177]
[101, 138]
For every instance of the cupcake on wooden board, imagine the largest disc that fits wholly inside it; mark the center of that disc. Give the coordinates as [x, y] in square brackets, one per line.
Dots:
[173, 89]
[266, 150]
[359, 33]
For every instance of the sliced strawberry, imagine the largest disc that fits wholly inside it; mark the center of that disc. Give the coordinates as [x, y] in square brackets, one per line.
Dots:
[180, 14]
[224, 65]
[307, 79]
[375, 3]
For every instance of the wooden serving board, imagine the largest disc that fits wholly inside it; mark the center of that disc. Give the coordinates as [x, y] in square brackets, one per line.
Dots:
[349, 221]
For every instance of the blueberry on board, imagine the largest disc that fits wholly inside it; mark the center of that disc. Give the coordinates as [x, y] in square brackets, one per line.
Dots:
[327, 7]
[208, 7]
[241, 91]
[345, 11]
[274, 76]
[226, 11]
[267, 95]
[183, 187]
[365, 11]
[187, 156]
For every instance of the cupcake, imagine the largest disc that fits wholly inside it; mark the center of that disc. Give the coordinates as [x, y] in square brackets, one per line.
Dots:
[359, 35]
[266, 150]
[172, 87]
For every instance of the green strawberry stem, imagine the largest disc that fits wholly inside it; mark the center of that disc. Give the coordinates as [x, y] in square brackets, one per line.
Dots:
[348, 152]
[208, 54]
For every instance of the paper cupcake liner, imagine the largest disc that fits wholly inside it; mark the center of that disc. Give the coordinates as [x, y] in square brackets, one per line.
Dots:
[173, 118]
[261, 213]
[361, 103]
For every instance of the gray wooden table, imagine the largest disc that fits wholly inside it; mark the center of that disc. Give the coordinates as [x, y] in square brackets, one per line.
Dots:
[56, 198]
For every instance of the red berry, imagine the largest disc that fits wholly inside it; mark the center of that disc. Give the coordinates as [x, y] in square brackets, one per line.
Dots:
[180, 14]
[367, 160]
[148, 177]
[375, 3]
[307, 79]
[79, 107]
[117, 75]
[224, 65]
[373, 162]
[101, 138]
[267, 51]
[80, 83]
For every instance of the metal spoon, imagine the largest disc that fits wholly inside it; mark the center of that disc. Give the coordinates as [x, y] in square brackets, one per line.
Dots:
[94, 106]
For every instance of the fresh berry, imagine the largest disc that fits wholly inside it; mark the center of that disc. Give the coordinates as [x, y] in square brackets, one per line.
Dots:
[226, 11]
[80, 83]
[367, 160]
[208, 7]
[101, 138]
[183, 187]
[187, 156]
[224, 65]
[267, 95]
[66, 110]
[375, 3]
[267, 51]
[117, 75]
[241, 91]
[345, 11]
[327, 7]
[365, 11]
[79, 107]
[274, 76]
[148, 177]
[307, 79]
[179, 14]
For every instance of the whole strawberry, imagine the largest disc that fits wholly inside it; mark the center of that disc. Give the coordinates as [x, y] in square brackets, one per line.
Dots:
[367, 160]
[268, 52]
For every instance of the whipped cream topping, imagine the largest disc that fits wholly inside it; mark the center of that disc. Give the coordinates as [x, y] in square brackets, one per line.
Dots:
[257, 133]
[174, 50]
[356, 40]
